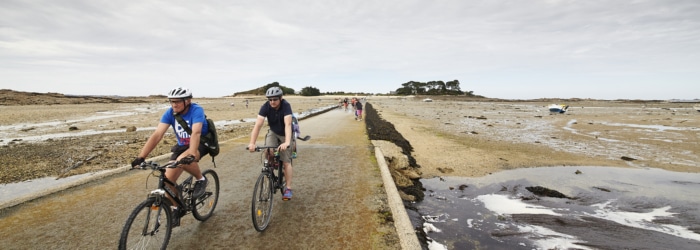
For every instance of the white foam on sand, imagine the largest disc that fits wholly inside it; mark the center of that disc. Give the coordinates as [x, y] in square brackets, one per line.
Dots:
[643, 220]
[504, 205]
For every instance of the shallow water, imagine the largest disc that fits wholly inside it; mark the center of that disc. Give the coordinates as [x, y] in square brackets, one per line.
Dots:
[607, 208]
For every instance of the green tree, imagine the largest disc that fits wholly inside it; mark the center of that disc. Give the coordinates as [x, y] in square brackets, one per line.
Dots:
[310, 91]
[430, 88]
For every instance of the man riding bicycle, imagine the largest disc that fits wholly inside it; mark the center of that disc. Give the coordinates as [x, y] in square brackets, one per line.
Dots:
[279, 116]
[187, 144]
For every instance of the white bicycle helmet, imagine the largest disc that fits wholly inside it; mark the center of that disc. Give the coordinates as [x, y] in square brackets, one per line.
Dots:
[274, 91]
[180, 93]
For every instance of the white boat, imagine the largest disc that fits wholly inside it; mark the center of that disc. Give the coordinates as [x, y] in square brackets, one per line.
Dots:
[558, 108]
[428, 100]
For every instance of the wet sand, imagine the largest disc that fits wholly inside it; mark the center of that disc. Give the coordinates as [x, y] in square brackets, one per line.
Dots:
[476, 138]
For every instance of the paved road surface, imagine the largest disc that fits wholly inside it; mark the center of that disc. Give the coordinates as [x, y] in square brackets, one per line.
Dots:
[338, 194]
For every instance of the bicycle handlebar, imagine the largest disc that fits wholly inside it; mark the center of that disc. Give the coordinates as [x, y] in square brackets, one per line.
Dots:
[260, 148]
[155, 166]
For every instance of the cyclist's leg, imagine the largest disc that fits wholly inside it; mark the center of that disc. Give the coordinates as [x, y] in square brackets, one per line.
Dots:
[270, 140]
[286, 158]
[193, 168]
[285, 155]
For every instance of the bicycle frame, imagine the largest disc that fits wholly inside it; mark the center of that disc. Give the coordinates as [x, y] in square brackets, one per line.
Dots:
[145, 228]
[181, 197]
[273, 163]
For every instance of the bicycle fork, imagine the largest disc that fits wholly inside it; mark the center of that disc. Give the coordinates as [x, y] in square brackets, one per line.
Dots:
[156, 207]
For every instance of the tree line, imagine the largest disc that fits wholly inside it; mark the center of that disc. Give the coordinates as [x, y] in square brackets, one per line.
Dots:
[431, 88]
[408, 88]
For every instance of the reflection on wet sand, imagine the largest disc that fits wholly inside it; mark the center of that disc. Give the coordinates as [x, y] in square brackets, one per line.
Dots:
[616, 208]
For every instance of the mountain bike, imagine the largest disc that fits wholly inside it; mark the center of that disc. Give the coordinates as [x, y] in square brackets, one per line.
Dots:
[266, 186]
[150, 224]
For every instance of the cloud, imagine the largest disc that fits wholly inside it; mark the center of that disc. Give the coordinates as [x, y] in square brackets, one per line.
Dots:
[229, 46]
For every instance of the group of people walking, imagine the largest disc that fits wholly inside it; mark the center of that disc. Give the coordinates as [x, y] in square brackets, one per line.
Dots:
[355, 104]
[276, 110]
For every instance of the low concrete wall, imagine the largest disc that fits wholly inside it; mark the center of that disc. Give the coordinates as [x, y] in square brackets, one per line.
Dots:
[404, 228]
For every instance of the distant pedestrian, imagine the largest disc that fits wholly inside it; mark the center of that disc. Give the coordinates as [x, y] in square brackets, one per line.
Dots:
[246, 103]
[358, 111]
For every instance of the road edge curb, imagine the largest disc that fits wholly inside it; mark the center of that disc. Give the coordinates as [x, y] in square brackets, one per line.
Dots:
[402, 223]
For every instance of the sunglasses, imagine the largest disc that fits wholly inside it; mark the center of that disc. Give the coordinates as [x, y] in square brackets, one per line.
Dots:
[273, 99]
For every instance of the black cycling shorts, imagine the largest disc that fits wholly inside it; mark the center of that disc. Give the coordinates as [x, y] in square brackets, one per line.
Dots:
[178, 150]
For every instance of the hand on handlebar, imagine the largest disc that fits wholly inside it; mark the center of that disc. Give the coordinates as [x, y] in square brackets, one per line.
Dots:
[186, 160]
[137, 162]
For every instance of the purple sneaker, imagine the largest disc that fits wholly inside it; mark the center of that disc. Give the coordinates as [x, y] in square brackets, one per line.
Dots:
[287, 194]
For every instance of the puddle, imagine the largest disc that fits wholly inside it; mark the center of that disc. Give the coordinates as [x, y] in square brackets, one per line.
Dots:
[17, 191]
[614, 208]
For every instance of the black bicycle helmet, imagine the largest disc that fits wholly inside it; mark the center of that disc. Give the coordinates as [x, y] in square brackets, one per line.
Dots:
[180, 93]
[274, 91]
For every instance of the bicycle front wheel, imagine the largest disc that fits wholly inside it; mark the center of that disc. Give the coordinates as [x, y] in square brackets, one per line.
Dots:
[261, 206]
[204, 206]
[148, 227]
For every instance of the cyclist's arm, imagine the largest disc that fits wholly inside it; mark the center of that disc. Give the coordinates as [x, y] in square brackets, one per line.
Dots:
[256, 131]
[154, 139]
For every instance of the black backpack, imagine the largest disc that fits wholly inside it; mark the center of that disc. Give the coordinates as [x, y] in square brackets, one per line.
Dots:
[210, 140]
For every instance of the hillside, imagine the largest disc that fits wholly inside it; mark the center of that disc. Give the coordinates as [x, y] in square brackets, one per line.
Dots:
[12, 97]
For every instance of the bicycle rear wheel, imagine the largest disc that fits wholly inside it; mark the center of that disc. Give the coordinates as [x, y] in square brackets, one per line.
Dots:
[205, 205]
[148, 227]
[261, 206]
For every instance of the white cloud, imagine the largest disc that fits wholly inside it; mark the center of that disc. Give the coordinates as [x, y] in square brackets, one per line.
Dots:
[507, 49]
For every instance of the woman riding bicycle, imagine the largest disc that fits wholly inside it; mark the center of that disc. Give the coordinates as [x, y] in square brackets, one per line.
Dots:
[278, 113]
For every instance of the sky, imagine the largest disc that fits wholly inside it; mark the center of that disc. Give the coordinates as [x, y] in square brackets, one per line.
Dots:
[515, 49]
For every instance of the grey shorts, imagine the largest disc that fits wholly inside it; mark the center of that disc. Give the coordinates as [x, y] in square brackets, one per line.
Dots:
[272, 139]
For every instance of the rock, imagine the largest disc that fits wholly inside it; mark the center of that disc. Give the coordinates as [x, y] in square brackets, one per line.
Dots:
[131, 129]
[400, 179]
[445, 170]
[543, 191]
[406, 197]
[410, 173]
[625, 158]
